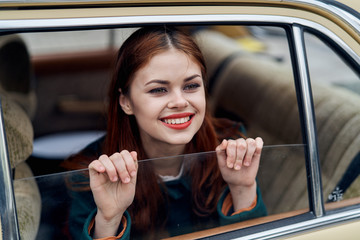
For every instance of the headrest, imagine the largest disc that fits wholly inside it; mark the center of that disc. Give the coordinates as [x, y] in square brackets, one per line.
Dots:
[16, 73]
[19, 131]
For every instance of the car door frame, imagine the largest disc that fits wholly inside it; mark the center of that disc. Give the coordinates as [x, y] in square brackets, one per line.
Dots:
[295, 29]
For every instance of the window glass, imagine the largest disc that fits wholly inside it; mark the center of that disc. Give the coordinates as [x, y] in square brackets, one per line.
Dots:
[336, 92]
[250, 84]
[66, 200]
[251, 79]
[44, 43]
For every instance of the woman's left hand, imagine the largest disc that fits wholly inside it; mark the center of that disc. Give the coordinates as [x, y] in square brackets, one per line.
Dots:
[239, 163]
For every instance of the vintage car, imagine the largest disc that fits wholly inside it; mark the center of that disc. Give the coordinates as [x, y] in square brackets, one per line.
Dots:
[288, 69]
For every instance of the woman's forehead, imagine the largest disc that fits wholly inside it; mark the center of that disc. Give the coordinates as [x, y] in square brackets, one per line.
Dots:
[168, 63]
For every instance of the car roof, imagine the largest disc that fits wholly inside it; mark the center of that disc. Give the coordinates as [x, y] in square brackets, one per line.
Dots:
[354, 4]
[340, 18]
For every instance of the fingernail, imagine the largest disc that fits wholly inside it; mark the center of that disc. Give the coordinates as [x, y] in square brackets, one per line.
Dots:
[127, 179]
[115, 179]
[247, 164]
[237, 167]
[133, 173]
[230, 165]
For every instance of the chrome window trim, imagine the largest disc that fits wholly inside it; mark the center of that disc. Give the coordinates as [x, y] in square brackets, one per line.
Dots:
[326, 5]
[59, 24]
[332, 9]
[315, 184]
[8, 26]
[9, 222]
[307, 225]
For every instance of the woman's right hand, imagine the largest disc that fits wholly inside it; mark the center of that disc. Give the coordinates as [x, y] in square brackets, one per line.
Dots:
[112, 182]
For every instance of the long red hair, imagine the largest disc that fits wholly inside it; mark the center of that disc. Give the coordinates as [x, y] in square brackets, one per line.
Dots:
[123, 132]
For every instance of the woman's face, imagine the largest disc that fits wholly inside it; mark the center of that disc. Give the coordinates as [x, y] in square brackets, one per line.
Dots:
[167, 98]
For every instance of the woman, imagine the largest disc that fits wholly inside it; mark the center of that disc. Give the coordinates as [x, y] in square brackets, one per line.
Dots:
[157, 108]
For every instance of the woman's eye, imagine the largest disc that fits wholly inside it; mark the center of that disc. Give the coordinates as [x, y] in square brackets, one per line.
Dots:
[158, 90]
[191, 86]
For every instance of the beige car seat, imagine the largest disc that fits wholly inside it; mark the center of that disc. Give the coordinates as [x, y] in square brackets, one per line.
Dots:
[18, 106]
[261, 91]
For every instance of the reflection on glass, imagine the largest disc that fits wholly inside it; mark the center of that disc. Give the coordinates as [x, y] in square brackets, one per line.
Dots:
[336, 93]
[281, 177]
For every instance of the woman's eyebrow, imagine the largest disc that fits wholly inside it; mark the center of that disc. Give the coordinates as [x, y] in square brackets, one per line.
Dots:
[165, 82]
[191, 77]
[158, 81]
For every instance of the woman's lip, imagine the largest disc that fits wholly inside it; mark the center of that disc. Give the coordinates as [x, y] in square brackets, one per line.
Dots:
[180, 126]
[178, 115]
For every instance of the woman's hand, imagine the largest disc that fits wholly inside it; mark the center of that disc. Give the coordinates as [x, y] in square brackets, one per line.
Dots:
[112, 182]
[239, 162]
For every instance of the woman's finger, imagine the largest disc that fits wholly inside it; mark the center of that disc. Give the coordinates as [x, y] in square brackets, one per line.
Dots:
[120, 166]
[221, 153]
[109, 168]
[231, 153]
[134, 156]
[251, 147]
[258, 150]
[96, 167]
[129, 162]
[241, 147]
[96, 170]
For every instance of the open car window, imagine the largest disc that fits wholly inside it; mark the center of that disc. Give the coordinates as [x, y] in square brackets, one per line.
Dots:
[336, 93]
[63, 194]
[250, 81]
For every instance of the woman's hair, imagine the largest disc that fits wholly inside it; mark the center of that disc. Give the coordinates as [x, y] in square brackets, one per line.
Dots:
[123, 132]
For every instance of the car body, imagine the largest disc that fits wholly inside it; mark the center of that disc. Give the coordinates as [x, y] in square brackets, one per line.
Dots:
[282, 100]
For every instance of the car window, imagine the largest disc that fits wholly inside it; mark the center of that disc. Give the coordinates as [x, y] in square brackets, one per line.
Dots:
[336, 93]
[254, 83]
[63, 194]
[250, 82]
[45, 43]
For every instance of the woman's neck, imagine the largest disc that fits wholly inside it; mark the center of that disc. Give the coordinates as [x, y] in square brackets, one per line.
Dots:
[169, 164]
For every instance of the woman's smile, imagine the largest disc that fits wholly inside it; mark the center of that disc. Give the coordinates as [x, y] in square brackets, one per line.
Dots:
[178, 121]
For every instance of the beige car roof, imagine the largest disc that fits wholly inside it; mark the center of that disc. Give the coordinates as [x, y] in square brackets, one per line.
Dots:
[62, 9]
[354, 4]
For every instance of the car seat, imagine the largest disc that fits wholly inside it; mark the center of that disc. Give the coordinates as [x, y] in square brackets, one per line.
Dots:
[261, 92]
[18, 106]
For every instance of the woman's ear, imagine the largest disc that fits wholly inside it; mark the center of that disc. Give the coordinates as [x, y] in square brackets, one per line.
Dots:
[124, 102]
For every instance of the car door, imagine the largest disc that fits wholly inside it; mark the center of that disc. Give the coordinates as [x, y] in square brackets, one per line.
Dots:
[260, 73]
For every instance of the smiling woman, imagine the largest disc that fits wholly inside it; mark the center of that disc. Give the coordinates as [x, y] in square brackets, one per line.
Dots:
[158, 109]
[169, 87]
[268, 68]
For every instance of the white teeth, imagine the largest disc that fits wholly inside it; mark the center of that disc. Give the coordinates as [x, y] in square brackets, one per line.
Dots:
[177, 120]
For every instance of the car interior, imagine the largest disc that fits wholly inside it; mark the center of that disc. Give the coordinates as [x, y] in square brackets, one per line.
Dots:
[54, 102]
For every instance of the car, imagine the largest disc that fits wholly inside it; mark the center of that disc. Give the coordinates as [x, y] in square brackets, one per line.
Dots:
[289, 70]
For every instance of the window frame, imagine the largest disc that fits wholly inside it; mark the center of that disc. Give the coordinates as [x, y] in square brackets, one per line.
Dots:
[294, 28]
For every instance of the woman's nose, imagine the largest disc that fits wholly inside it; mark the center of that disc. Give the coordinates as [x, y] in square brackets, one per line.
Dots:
[178, 100]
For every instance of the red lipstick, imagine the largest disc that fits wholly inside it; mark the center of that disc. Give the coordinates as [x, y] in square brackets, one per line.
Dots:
[177, 126]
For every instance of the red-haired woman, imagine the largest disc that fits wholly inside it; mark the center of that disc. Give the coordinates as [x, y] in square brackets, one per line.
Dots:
[157, 108]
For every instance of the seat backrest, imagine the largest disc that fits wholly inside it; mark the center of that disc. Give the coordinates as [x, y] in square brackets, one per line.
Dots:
[17, 104]
[262, 93]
